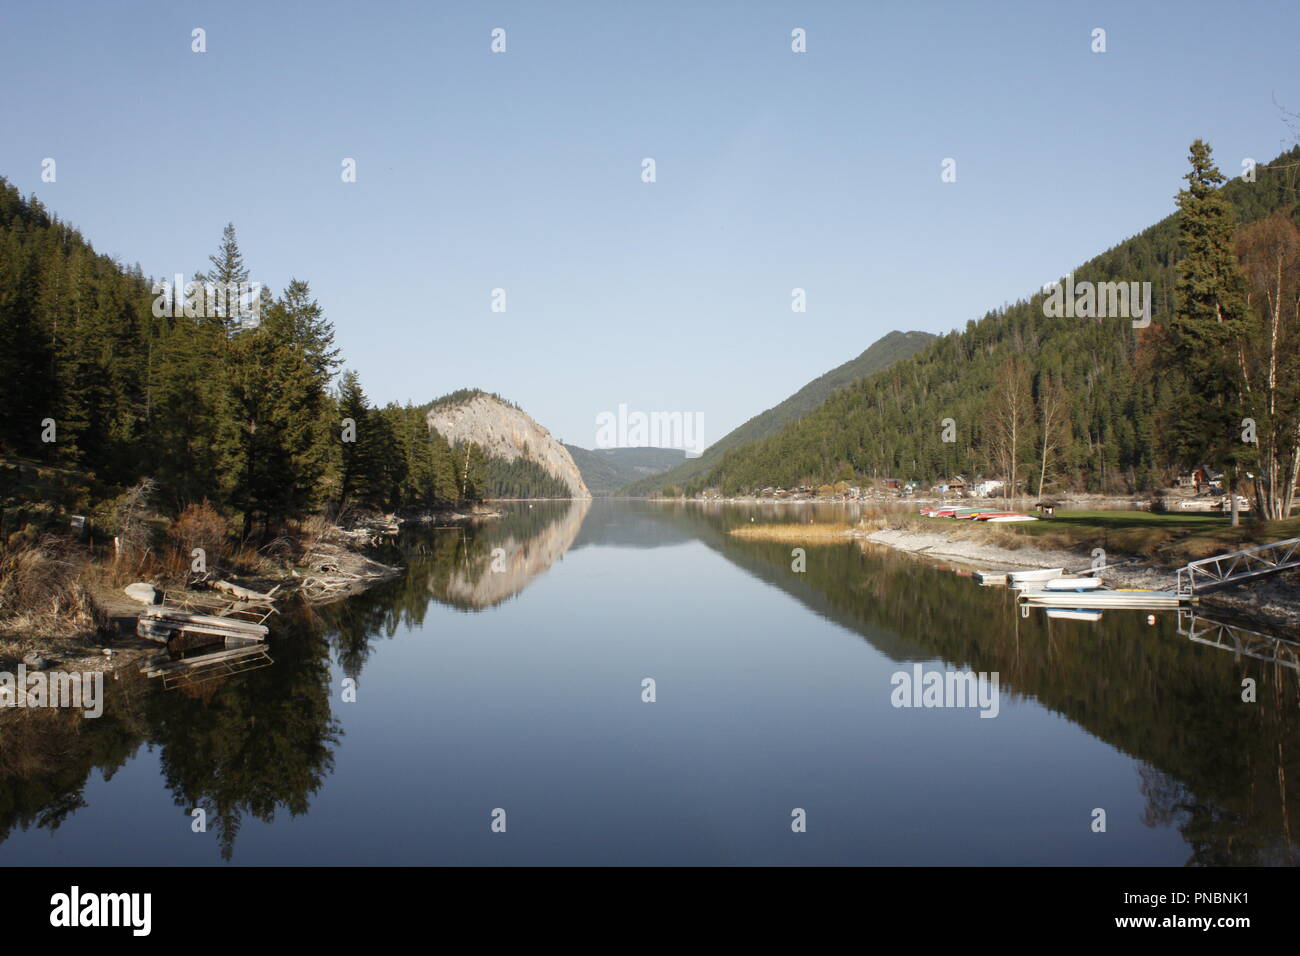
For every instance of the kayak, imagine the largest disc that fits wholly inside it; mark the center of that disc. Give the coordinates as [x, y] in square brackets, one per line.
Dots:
[1024, 577]
[1073, 584]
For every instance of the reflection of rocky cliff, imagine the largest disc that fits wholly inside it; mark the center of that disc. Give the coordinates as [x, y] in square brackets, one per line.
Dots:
[487, 576]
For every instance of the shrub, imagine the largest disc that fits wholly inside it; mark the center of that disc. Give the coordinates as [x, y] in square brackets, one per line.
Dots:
[198, 526]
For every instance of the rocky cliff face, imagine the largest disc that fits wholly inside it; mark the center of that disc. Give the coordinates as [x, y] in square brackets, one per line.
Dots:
[503, 431]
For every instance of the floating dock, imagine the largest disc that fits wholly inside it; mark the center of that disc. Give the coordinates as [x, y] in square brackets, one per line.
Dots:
[1118, 598]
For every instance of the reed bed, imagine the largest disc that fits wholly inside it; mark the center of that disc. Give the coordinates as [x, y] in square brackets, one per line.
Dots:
[813, 533]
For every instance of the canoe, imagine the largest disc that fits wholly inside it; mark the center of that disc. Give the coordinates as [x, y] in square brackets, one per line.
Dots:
[1072, 584]
[1007, 518]
[1045, 574]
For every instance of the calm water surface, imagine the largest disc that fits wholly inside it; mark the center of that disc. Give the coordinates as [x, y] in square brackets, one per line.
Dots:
[521, 689]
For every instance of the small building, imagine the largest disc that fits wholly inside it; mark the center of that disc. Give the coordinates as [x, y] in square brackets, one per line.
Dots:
[955, 485]
[987, 487]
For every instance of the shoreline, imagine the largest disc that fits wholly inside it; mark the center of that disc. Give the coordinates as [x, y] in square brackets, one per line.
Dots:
[1273, 603]
[332, 569]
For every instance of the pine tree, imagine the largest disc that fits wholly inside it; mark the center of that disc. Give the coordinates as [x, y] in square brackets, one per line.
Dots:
[1209, 319]
[228, 273]
[299, 320]
[354, 413]
[473, 471]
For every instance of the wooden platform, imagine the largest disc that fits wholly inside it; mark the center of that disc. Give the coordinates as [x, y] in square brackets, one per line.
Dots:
[160, 623]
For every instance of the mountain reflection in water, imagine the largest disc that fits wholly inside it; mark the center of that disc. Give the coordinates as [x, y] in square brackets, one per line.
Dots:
[504, 667]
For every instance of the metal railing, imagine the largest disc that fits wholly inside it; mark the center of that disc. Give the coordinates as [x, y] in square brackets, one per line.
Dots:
[1223, 570]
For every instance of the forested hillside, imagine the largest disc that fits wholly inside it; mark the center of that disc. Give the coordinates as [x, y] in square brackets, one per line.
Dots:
[115, 379]
[1085, 403]
[881, 354]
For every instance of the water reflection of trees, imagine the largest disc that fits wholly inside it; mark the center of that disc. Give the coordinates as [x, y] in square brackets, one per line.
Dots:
[1224, 772]
[253, 745]
[47, 756]
[262, 743]
[256, 745]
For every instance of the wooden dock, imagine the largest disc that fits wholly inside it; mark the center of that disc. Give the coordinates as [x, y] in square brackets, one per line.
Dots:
[230, 638]
[161, 623]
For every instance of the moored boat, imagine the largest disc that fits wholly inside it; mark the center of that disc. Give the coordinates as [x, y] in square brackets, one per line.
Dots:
[1027, 577]
[1072, 584]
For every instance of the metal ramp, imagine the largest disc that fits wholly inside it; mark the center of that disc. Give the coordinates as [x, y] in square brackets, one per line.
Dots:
[1239, 640]
[1225, 570]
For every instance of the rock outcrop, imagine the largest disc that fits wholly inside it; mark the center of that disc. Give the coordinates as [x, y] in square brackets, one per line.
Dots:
[504, 431]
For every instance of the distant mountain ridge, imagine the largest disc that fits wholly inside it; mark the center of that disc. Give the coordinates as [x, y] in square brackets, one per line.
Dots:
[884, 352]
[608, 469]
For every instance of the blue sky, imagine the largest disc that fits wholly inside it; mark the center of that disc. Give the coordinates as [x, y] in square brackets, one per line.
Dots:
[522, 170]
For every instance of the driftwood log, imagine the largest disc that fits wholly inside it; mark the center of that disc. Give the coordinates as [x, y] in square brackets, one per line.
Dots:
[244, 594]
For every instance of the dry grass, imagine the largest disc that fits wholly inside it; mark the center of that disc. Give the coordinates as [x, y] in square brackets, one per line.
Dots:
[42, 590]
[825, 533]
[997, 535]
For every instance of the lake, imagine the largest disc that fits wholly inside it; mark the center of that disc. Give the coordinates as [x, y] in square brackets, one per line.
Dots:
[502, 683]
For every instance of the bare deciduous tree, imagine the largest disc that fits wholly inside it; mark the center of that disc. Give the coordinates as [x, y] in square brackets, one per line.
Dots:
[1053, 412]
[1269, 359]
[1011, 417]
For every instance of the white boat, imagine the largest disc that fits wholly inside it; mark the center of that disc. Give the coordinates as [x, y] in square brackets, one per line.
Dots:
[1072, 584]
[1026, 577]
[1003, 519]
[1073, 614]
